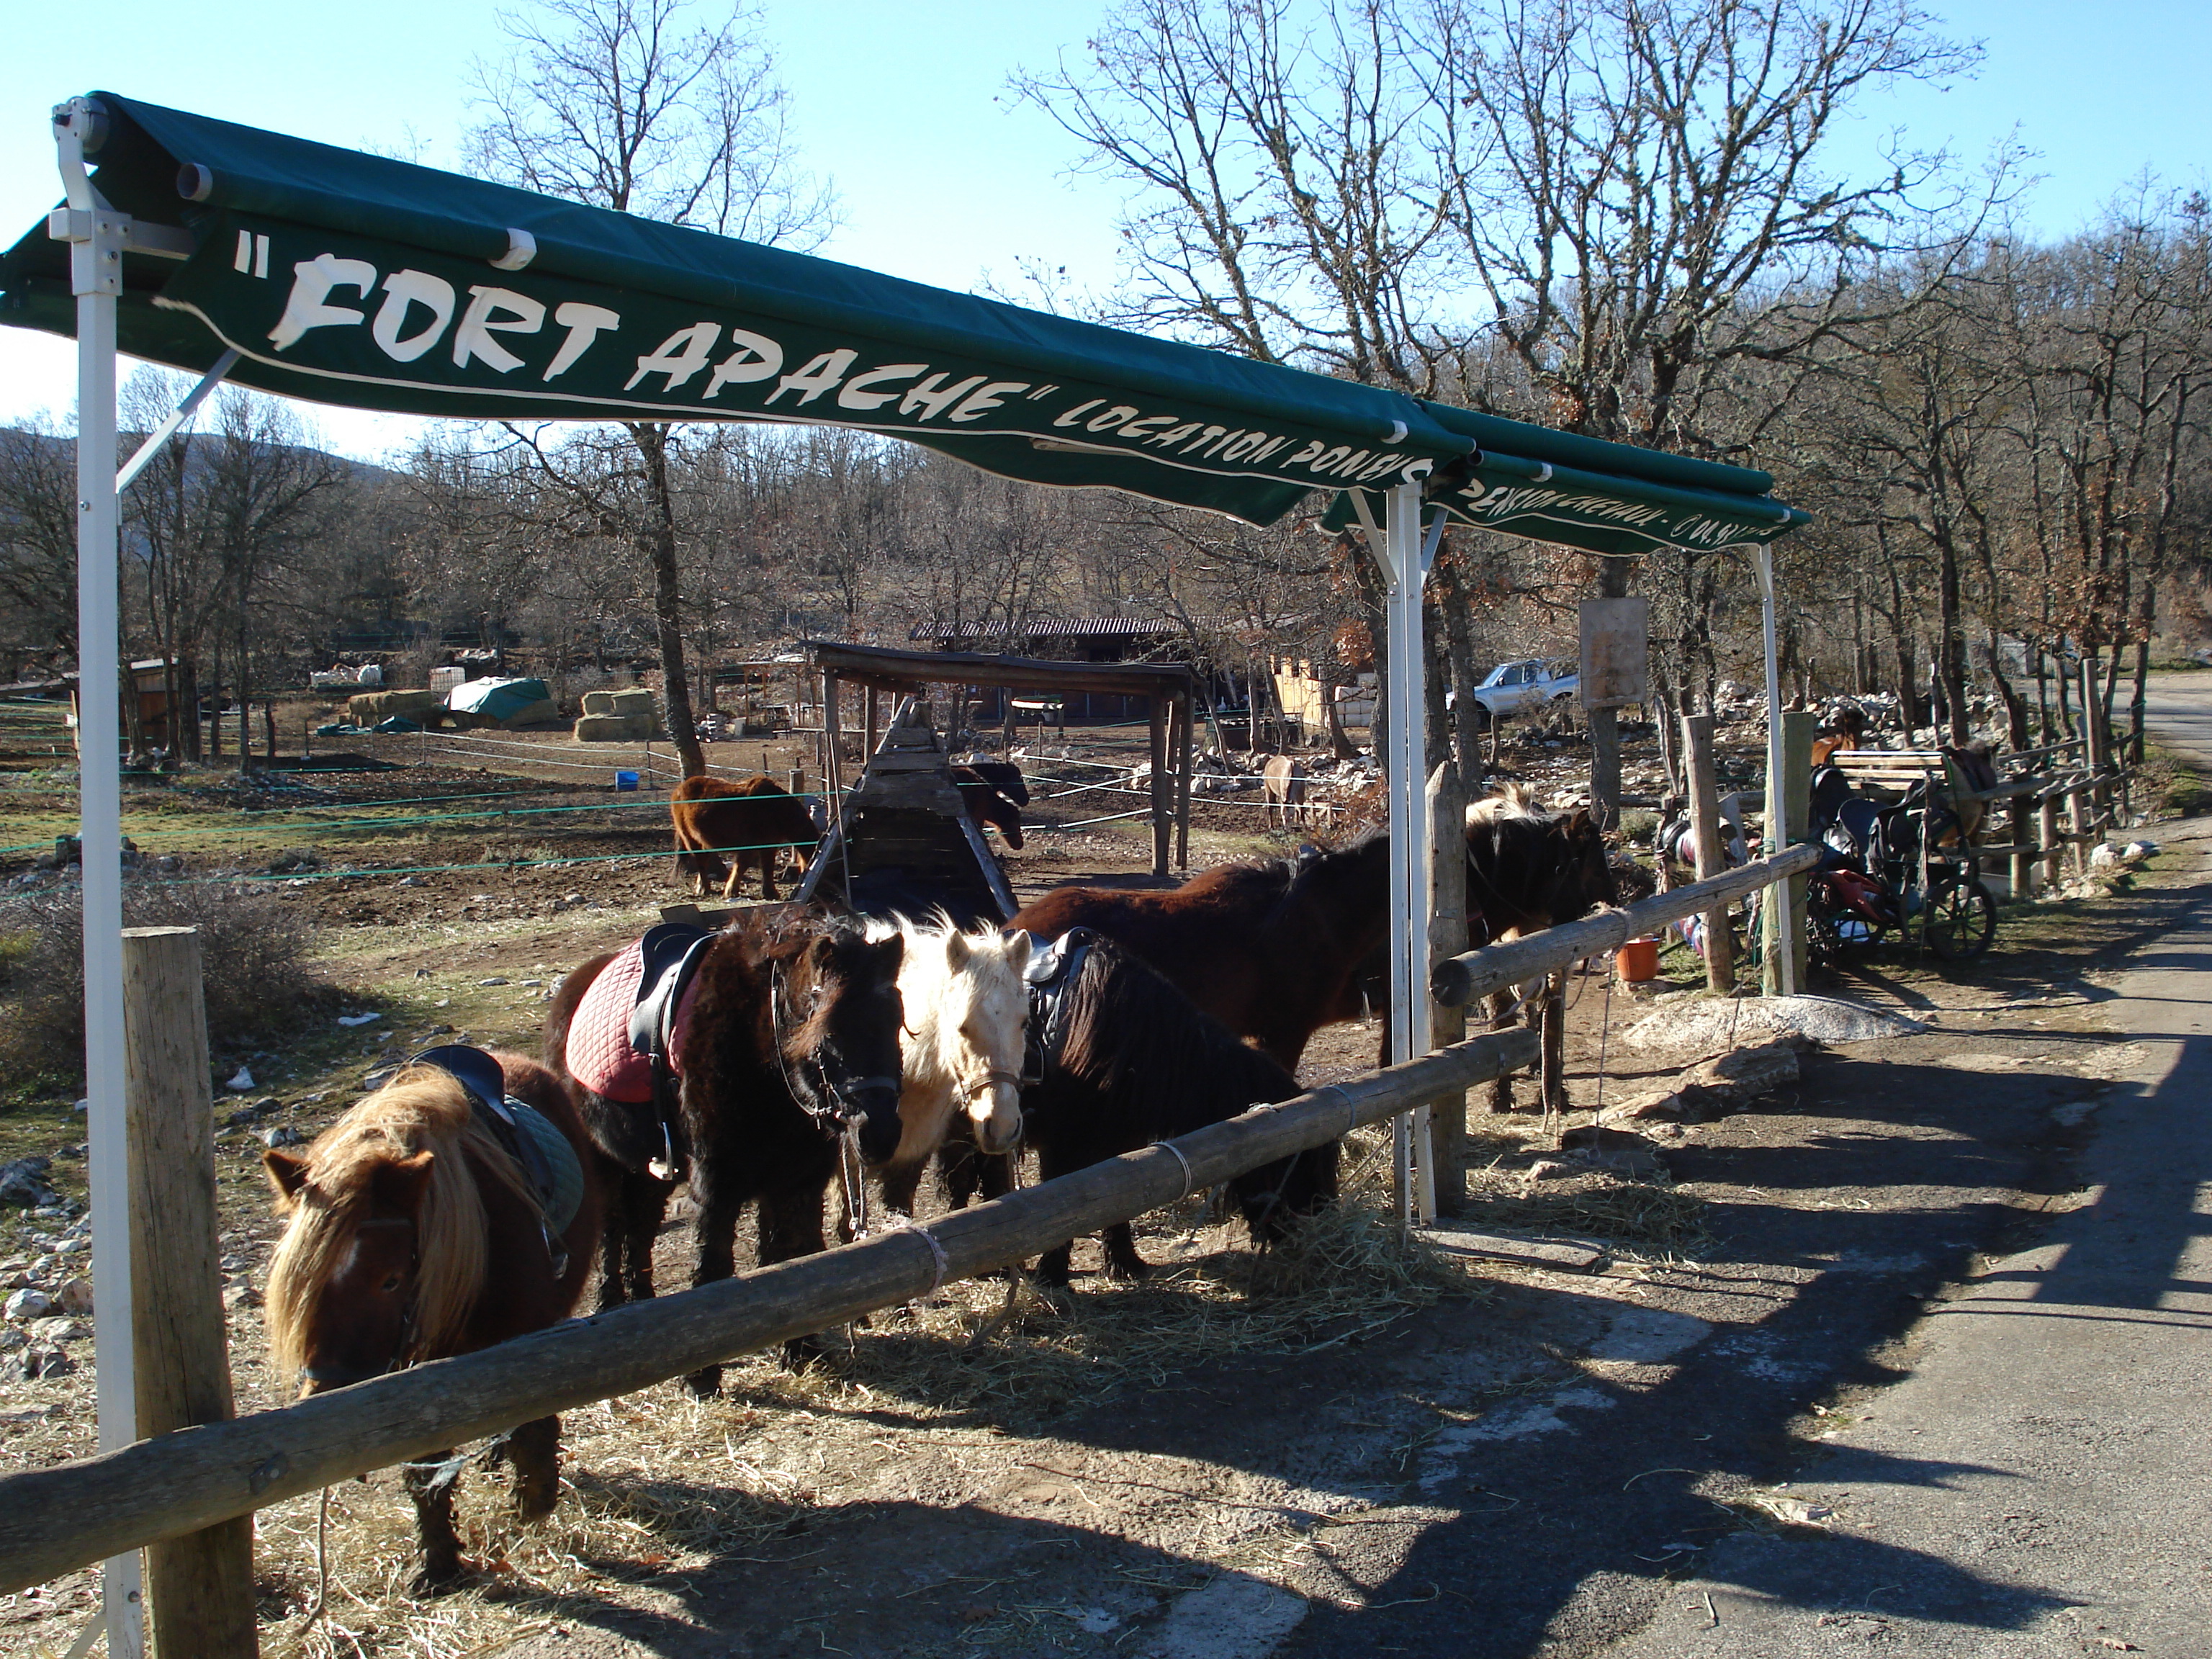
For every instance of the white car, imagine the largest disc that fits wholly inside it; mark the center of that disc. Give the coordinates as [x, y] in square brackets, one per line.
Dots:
[1528, 686]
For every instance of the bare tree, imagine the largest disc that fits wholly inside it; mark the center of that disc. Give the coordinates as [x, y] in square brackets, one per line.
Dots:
[621, 104]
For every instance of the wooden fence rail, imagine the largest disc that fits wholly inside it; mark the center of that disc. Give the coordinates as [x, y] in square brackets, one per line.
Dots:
[54, 1520]
[1459, 979]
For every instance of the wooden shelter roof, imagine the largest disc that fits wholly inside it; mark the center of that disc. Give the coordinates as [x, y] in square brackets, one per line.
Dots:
[889, 669]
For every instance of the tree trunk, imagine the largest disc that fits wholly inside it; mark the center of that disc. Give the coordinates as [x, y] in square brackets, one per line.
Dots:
[2015, 705]
[658, 543]
[1459, 638]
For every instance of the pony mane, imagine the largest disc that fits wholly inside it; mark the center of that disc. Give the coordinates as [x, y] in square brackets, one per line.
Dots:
[1299, 872]
[1506, 799]
[422, 1109]
[935, 994]
[1129, 1029]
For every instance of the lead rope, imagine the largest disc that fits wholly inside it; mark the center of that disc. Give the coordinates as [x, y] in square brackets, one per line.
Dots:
[855, 1178]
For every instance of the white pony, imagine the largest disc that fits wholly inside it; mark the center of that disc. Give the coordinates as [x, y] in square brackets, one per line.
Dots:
[963, 1043]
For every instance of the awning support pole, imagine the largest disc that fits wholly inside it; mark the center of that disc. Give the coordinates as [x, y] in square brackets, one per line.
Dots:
[97, 234]
[1778, 960]
[144, 455]
[1404, 555]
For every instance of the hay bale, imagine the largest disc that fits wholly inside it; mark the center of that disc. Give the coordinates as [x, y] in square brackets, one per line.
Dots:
[629, 702]
[367, 707]
[613, 728]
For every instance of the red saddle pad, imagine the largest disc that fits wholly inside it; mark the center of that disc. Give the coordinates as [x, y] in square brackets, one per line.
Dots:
[599, 1055]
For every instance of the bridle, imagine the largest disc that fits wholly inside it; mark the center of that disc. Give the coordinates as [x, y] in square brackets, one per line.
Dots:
[830, 1105]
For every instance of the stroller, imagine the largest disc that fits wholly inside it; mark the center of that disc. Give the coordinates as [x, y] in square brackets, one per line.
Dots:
[1882, 865]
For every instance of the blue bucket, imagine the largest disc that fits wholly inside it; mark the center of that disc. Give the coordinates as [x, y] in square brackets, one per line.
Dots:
[625, 779]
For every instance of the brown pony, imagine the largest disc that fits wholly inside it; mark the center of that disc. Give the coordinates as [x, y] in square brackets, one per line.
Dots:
[750, 819]
[412, 1233]
[1273, 950]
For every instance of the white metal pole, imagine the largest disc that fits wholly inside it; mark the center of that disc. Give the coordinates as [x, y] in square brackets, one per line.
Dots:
[1781, 928]
[1409, 840]
[97, 234]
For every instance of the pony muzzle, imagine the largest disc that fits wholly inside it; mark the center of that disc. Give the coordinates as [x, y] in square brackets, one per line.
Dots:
[994, 1116]
[869, 1109]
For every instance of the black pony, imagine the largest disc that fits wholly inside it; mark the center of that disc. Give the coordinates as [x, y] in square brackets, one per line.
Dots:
[1128, 1060]
[790, 1064]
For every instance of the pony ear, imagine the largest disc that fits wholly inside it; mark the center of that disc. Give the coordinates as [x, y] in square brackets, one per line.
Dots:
[287, 1173]
[956, 949]
[1581, 821]
[399, 1182]
[1017, 949]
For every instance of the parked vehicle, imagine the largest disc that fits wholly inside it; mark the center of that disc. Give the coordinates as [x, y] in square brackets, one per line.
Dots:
[1527, 686]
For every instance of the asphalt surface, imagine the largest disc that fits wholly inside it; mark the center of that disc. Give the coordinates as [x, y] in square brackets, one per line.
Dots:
[2039, 1482]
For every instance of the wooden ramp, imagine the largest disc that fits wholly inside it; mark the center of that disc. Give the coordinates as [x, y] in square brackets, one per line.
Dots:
[903, 840]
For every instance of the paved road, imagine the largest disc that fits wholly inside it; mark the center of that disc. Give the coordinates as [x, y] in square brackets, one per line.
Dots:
[2179, 713]
[2039, 1483]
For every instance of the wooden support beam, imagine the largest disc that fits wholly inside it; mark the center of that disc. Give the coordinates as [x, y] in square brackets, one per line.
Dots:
[1184, 751]
[56, 1519]
[1162, 792]
[200, 1585]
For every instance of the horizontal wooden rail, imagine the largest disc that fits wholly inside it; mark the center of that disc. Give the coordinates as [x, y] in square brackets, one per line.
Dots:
[54, 1520]
[1459, 979]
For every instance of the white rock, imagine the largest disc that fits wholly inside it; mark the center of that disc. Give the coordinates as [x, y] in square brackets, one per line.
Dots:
[29, 1304]
[243, 1081]
[358, 1019]
[1704, 1022]
[75, 1296]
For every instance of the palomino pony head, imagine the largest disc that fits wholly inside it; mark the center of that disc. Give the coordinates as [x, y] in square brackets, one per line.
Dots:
[981, 1025]
[383, 1259]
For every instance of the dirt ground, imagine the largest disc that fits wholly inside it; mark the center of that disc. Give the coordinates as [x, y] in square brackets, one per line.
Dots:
[1229, 1458]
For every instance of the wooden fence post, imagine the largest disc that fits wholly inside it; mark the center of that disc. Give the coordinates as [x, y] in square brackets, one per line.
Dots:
[1705, 826]
[200, 1586]
[1781, 964]
[1447, 937]
[2048, 846]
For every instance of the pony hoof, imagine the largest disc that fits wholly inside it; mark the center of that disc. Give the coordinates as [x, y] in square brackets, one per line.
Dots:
[1131, 1270]
[801, 1351]
[704, 1384]
[432, 1582]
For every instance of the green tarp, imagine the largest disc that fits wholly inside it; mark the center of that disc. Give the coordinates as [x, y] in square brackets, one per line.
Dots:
[354, 279]
[499, 699]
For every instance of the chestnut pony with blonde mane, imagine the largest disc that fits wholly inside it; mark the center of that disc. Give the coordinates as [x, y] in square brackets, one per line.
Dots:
[411, 1234]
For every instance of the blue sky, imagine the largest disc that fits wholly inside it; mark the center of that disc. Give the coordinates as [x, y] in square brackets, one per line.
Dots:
[943, 177]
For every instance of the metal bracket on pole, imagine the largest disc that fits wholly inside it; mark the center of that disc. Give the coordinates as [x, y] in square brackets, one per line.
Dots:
[98, 236]
[161, 435]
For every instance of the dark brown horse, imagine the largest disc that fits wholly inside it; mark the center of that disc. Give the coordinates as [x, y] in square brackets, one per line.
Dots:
[1527, 870]
[1128, 1060]
[415, 1229]
[989, 801]
[1273, 950]
[752, 819]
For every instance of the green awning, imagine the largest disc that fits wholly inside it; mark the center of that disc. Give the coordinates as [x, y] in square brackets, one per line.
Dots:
[353, 279]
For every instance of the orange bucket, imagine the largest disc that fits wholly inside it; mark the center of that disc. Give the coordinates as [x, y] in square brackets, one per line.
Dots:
[1637, 960]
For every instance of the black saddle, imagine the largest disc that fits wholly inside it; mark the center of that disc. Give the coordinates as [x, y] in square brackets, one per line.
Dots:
[1053, 966]
[670, 954]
